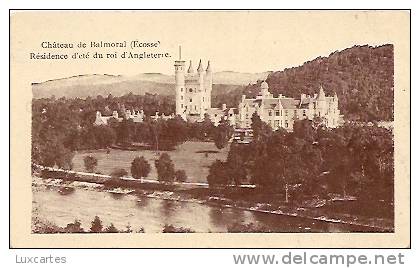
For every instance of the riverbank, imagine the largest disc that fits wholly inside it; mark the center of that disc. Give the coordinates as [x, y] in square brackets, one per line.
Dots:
[231, 197]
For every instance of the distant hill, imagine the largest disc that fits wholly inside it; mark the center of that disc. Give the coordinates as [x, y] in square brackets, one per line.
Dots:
[156, 83]
[362, 76]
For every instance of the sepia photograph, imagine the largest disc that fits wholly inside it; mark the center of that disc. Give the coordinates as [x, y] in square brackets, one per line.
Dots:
[213, 122]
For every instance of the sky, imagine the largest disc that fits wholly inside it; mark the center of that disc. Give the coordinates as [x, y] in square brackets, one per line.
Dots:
[243, 41]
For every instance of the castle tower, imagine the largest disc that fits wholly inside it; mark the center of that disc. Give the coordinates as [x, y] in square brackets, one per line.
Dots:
[208, 86]
[321, 103]
[180, 86]
[193, 90]
[201, 90]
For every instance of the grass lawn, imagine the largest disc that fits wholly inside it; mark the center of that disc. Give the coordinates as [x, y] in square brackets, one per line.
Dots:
[189, 156]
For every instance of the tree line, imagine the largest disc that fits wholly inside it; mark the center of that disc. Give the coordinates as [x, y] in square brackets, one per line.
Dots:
[61, 127]
[312, 161]
[97, 226]
[140, 168]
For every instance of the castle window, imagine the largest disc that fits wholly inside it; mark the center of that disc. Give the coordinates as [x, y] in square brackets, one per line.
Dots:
[285, 113]
[276, 123]
[182, 105]
[277, 112]
[191, 90]
[195, 107]
[270, 113]
[181, 89]
[203, 98]
[182, 97]
[190, 99]
[286, 124]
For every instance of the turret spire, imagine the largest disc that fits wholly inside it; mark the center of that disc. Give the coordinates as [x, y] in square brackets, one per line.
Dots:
[200, 67]
[321, 93]
[190, 69]
[208, 69]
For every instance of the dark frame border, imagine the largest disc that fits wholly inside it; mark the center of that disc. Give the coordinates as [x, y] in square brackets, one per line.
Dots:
[357, 9]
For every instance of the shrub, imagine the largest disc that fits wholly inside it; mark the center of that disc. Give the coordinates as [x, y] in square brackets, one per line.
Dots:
[96, 226]
[180, 175]
[165, 168]
[111, 229]
[140, 167]
[118, 173]
[90, 163]
[74, 227]
[172, 229]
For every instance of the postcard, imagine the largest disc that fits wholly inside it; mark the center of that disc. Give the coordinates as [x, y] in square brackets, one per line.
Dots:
[210, 129]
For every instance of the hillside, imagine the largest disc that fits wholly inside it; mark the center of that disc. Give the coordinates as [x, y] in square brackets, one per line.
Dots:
[362, 76]
[155, 83]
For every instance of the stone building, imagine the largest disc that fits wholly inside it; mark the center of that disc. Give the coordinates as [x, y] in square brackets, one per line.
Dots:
[135, 116]
[193, 101]
[192, 90]
[282, 111]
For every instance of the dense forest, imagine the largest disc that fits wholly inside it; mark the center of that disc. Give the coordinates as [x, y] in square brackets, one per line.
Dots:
[362, 76]
[313, 161]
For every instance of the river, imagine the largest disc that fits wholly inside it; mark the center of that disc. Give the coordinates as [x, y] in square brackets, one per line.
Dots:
[153, 213]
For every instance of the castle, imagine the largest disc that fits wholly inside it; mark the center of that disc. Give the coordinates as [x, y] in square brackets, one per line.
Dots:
[193, 102]
[281, 112]
[192, 90]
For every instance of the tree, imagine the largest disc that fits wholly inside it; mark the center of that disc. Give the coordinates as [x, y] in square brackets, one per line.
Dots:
[205, 128]
[140, 168]
[75, 227]
[111, 229]
[118, 173]
[174, 133]
[125, 130]
[218, 174]
[303, 129]
[221, 134]
[154, 130]
[90, 163]
[105, 136]
[260, 129]
[96, 226]
[235, 164]
[165, 168]
[180, 175]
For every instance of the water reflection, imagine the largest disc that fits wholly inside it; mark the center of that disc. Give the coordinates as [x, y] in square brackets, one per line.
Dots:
[152, 214]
